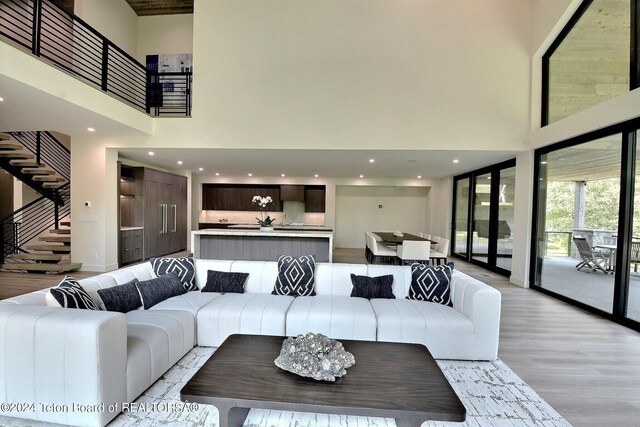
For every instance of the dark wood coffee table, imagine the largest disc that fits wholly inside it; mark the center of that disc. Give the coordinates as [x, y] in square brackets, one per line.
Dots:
[400, 381]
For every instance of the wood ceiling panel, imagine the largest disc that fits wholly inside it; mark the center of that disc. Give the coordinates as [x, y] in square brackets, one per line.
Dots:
[161, 7]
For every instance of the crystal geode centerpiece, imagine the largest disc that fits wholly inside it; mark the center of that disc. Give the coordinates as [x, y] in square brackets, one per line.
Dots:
[316, 356]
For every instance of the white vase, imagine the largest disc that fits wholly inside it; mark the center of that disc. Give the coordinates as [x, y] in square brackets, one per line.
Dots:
[263, 228]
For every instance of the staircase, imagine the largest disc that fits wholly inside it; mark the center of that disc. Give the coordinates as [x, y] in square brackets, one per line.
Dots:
[34, 238]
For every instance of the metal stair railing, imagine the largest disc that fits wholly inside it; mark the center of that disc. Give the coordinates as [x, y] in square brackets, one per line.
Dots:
[47, 149]
[19, 228]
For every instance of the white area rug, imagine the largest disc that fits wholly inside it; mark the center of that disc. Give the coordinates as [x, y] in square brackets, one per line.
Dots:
[492, 393]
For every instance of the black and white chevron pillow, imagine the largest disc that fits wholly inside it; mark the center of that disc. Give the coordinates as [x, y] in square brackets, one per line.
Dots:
[296, 276]
[70, 294]
[431, 284]
[183, 267]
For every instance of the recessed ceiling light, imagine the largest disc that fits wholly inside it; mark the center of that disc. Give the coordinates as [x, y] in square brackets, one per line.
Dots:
[544, 162]
[1, 99]
[217, 173]
[316, 175]
[151, 153]
[283, 175]
[456, 161]
[91, 129]
[179, 162]
[419, 176]
[372, 160]
[200, 169]
[249, 174]
[361, 176]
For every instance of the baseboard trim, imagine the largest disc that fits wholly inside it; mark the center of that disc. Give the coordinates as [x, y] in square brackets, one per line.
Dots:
[519, 282]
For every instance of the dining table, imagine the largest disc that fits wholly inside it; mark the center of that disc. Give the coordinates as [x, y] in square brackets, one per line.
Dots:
[389, 238]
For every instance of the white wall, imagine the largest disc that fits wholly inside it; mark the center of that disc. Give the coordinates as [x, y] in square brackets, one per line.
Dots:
[114, 19]
[357, 211]
[363, 73]
[164, 34]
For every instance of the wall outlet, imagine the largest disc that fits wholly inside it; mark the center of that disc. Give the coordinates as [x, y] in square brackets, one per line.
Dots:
[87, 204]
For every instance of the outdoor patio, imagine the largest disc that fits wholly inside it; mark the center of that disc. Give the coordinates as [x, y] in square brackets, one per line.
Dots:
[559, 275]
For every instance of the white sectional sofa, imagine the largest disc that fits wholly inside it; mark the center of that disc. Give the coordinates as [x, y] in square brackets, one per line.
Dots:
[69, 356]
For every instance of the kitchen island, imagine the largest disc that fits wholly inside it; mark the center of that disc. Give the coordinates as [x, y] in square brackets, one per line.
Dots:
[256, 245]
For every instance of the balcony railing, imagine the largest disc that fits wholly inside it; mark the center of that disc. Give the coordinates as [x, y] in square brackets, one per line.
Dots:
[66, 41]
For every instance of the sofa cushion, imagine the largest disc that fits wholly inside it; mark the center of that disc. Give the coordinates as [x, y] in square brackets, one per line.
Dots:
[122, 298]
[159, 289]
[372, 287]
[189, 301]
[156, 340]
[337, 317]
[222, 281]
[431, 283]
[296, 276]
[259, 314]
[183, 267]
[70, 294]
[401, 276]
[262, 275]
[447, 333]
[335, 279]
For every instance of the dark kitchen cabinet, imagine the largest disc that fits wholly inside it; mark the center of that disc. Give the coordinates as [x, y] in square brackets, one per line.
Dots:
[156, 202]
[238, 197]
[292, 193]
[314, 198]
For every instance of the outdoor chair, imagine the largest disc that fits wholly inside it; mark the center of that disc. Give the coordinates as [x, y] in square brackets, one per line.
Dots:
[594, 260]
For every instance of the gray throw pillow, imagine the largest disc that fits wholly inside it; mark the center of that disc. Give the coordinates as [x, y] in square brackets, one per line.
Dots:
[372, 287]
[222, 281]
[156, 290]
[122, 298]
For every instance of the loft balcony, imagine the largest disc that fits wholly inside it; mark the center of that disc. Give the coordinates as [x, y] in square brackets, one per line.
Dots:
[66, 42]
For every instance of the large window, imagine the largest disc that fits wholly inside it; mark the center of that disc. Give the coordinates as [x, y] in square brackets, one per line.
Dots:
[586, 228]
[483, 217]
[590, 60]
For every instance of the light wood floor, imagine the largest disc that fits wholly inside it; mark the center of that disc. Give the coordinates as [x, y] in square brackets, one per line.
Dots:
[586, 367]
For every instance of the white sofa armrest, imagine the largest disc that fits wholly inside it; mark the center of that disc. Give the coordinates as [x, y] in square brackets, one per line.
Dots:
[481, 304]
[61, 356]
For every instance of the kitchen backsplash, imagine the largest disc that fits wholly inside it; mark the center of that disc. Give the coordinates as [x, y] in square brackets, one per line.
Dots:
[294, 214]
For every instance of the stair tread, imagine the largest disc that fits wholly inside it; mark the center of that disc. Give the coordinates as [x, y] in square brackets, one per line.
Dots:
[16, 155]
[52, 248]
[10, 146]
[4, 136]
[64, 239]
[38, 171]
[48, 178]
[60, 231]
[25, 163]
[52, 184]
[58, 268]
[41, 257]
[65, 223]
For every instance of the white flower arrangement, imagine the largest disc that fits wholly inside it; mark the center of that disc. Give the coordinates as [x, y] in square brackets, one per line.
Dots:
[262, 203]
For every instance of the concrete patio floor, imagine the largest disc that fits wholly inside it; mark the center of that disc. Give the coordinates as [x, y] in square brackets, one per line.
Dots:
[559, 275]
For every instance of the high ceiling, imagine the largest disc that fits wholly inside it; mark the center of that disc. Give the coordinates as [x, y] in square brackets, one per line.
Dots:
[161, 7]
[342, 164]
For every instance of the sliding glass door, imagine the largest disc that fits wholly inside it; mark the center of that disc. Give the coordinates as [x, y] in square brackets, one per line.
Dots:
[586, 225]
[483, 233]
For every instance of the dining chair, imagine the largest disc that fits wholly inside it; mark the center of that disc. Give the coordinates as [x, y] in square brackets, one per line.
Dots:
[378, 249]
[414, 250]
[439, 256]
[434, 242]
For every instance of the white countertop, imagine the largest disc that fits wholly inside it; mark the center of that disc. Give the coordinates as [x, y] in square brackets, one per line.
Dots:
[131, 228]
[255, 232]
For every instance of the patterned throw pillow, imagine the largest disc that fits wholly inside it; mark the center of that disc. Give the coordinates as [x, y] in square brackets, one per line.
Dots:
[372, 287]
[70, 294]
[183, 267]
[296, 276]
[431, 283]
